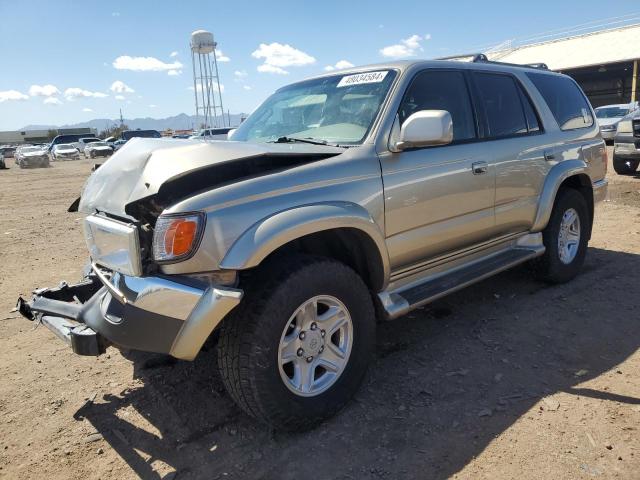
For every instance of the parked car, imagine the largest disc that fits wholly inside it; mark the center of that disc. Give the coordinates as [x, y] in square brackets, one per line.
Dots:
[8, 151]
[3, 164]
[68, 138]
[181, 135]
[626, 148]
[83, 142]
[118, 144]
[129, 134]
[32, 157]
[610, 115]
[65, 151]
[343, 198]
[212, 134]
[97, 149]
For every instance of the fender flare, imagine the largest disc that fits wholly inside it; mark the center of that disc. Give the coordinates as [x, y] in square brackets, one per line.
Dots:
[267, 235]
[558, 174]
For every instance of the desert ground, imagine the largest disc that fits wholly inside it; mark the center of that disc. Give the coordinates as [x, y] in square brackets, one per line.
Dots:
[510, 378]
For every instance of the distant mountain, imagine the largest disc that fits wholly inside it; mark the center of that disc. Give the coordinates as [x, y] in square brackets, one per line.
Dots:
[177, 122]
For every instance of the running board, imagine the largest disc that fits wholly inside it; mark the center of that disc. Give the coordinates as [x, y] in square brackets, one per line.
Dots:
[404, 300]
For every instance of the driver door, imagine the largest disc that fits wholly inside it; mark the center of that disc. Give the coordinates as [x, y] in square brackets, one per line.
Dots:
[438, 199]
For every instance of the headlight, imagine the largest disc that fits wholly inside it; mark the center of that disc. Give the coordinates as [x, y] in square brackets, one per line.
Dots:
[625, 126]
[176, 237]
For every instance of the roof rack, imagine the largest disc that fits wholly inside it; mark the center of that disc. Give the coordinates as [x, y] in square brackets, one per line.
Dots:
[482, 58]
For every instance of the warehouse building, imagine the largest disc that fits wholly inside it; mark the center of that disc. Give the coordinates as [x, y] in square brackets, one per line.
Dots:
[40, 136]
[604, 63]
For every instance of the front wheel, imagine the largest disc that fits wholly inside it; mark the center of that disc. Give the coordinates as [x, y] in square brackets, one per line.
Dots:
[296, 349]
[624, 166]
[565, 238]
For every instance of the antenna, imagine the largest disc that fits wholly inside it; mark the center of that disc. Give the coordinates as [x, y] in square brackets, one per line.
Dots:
[206, 79]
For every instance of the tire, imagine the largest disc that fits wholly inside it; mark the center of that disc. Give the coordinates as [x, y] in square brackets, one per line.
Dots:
[624, 166]
[250, 338]
[552, 267]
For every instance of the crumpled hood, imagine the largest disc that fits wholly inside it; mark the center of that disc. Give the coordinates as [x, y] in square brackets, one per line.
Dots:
[140, 167]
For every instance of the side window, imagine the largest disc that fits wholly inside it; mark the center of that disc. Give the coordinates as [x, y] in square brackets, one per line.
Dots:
[532, 119]
[500, 98]
[565, 100]
[441, 90]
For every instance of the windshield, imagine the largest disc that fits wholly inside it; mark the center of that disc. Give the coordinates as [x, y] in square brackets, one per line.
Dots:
[337, 109]
[99, 144]
[30, 149]
[64, 146]
[611, 112]
[140, 133]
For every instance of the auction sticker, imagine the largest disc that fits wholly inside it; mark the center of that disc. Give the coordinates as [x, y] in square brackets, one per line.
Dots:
[362, 78]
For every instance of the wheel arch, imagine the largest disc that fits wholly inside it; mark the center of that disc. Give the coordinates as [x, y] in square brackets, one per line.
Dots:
[568, 174]
[342, 230]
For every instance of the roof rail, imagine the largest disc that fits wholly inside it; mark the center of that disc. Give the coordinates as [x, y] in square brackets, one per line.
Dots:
[481, 57]
[475, 57]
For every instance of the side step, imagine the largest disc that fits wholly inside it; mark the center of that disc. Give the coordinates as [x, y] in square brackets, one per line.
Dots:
[402, 301]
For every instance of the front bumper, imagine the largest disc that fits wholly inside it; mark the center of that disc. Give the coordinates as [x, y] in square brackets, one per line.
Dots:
[155, 314]
[608, 134]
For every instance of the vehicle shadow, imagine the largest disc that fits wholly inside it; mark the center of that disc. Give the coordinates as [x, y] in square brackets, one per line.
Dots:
[446, 381]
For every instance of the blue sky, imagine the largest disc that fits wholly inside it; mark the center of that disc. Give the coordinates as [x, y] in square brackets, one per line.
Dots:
[68, 61]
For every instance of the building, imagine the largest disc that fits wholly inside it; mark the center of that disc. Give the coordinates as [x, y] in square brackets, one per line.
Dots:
[40, 136]
[604, 63]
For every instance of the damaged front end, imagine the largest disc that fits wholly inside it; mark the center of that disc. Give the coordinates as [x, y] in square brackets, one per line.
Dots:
[59, 309]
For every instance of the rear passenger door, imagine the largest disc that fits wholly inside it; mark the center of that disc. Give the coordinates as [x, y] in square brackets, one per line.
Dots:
[435, 200]
[512, 139]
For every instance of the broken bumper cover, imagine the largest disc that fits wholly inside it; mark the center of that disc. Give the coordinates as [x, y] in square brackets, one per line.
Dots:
[155, 314]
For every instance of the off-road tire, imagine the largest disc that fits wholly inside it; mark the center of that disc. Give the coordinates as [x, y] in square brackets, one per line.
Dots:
[624, 166]
[250, 337]
[549, 267]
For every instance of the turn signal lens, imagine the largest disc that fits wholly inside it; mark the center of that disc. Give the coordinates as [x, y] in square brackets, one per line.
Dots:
[176, 237]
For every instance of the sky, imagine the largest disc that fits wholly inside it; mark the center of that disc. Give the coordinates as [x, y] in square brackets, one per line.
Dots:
[65, 61]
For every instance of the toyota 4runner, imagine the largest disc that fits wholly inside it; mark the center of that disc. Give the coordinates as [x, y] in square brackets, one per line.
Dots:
[342, 199]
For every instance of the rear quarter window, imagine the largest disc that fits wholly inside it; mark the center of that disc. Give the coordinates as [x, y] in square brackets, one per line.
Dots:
[566, 101]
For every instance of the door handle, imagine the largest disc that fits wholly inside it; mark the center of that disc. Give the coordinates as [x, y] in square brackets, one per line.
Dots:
[479, 168]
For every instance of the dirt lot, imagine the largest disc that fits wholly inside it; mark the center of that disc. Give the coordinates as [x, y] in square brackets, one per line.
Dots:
[509, 378]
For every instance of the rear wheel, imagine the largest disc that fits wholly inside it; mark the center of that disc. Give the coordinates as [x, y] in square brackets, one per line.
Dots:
[565, 238]
[624, 166]
[296, 349]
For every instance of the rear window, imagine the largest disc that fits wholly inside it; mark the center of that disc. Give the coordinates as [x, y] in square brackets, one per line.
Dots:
[566, 101]
[502, 105]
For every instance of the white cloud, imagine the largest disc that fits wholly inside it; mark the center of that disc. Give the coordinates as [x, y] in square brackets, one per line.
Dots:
[75, 92]
[120, 87]
[276, 56]
[264, 68]
[87, 110]
[120, 97]
[173, 73]
[52, 101]
[144, 64]
[240, 74]
[406, 48]
[338, 66]
[43, 90]
[12, 95]
[173, 54]
[152, 105]
[246, 87]
[115, 14]
[221, 57]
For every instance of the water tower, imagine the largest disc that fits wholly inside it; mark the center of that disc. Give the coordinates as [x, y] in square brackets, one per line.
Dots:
[206, 81]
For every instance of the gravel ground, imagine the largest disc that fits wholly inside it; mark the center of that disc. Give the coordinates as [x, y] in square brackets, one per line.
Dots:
[508, 378]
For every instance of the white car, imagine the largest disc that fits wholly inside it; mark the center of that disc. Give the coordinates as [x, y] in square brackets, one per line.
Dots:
[97, 149]
[32, 157]
[65, 151]
[610, 115]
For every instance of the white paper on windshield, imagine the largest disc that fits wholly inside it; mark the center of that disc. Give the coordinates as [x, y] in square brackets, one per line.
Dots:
[362, 78]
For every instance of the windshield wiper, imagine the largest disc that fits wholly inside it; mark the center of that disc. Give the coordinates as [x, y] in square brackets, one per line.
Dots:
[300, 140]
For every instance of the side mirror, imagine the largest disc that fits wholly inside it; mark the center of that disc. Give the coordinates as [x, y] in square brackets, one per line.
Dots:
[424, 129]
